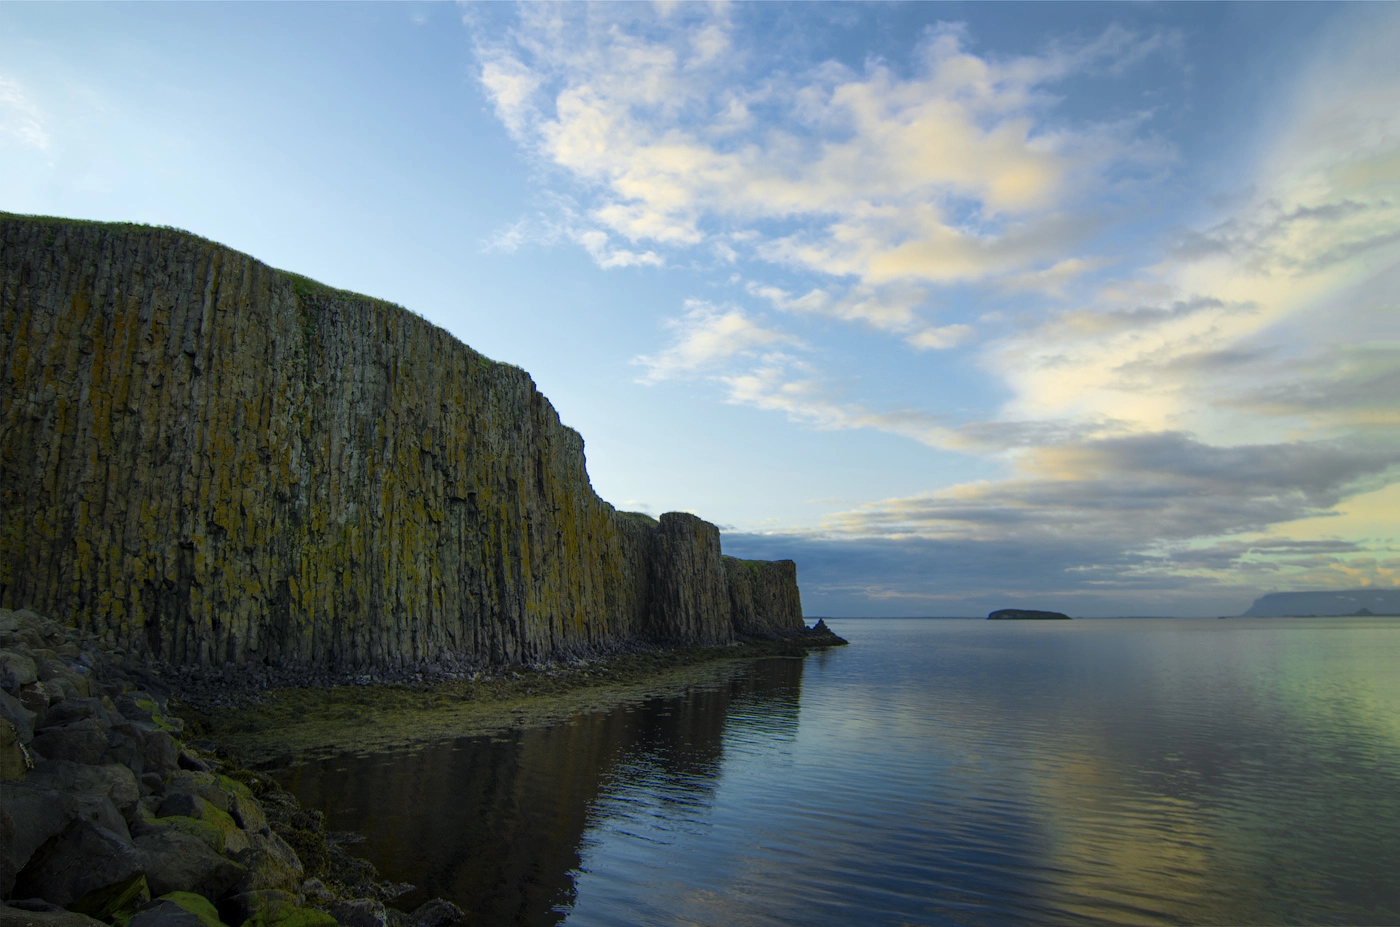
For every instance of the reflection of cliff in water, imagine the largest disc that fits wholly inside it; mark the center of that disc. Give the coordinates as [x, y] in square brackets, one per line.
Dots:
[496, 824]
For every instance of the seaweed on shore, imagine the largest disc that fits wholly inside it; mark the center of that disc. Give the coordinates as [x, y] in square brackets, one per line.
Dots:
[288, 725]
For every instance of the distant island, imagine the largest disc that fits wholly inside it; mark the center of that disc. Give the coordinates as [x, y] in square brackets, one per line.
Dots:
[1025, 614]
[1326, 604]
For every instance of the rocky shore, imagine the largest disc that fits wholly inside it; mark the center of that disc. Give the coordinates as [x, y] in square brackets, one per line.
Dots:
[236, 685]
[115, 809]
[111, 814]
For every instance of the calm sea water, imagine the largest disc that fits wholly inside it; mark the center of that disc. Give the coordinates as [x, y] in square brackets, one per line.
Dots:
[934, 772]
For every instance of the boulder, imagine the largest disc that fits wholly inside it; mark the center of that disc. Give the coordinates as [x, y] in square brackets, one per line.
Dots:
[182, 804]
[291, 917]
[360, 912]
[82, 859]
[71, 710]
[245, 810]
[36, 816]
[143, 747]
[227, 836]
[16, 670]
[193, 763]
[115, 902]
[178, 909]
[179, 823]
[270, 864]
[436, 912]
[143, 706]
[268, 903]
[35, 698]
[98, 809]
[51, 669]
[178, 862]
[14, 711]
[82, 741]
[112, 780]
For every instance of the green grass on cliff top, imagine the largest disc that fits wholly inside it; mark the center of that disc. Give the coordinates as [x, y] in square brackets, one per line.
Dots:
[305, 287]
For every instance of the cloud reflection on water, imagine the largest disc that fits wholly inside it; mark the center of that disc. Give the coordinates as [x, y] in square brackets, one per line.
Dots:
[934, 772]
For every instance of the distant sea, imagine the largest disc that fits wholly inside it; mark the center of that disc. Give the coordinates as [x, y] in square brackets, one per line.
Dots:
[1145, 771]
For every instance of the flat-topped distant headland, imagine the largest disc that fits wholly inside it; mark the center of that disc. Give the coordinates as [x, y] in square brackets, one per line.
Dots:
[1025, 614]
[1346, 603]
[218, 478]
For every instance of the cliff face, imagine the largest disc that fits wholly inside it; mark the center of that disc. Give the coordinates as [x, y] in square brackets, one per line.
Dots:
[210, 460]
[763, 597]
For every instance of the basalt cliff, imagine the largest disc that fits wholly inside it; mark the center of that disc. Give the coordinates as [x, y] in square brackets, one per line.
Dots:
[207, 460]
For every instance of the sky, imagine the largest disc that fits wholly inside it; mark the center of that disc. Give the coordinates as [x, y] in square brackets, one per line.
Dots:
[1087, 307]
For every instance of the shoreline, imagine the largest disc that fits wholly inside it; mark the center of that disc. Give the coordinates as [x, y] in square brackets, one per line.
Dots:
[126, 804]
[276, 728]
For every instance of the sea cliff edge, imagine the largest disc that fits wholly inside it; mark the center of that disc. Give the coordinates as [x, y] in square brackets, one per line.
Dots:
[209, 461]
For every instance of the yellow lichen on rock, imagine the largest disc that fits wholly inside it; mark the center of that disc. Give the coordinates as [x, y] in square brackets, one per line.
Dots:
[211, 460]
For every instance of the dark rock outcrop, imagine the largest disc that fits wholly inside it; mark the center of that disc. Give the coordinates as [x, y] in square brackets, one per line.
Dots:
[763, 597]
[1025, 614]
[207, 460]
[138, 838]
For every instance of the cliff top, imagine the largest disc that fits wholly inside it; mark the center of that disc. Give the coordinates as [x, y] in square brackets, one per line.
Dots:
[305, 287]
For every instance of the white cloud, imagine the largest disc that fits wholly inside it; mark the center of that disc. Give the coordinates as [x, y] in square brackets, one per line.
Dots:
[21, 121]
[1142, 490]
[1236, 378]
[597, 244]
[808, 397]
[1052, 280]
[953, 173]
[1305, 247]
[889, 309]
[708, 337]
[941, 338]
[511, 86]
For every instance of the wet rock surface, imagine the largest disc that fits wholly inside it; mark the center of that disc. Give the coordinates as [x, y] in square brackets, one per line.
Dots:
[136, 826]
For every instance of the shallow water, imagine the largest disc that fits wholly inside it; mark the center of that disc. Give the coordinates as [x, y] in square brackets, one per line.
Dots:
[1135, 771]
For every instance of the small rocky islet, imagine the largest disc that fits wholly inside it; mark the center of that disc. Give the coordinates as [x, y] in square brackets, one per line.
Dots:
[1026, 614]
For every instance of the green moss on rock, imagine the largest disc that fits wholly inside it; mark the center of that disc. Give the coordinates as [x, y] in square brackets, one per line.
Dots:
[209, 460]
[197, 905]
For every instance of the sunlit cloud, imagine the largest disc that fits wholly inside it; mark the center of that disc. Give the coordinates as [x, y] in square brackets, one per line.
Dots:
[1182, 344]
[1141, 490]
[891, 309]
[941, 337]
[708, 337]
[21, 121]
[951, 173]
[1180, 400]
[1054, 279]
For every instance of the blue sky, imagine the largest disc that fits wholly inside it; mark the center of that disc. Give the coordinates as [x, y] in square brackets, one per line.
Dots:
[1088, 306]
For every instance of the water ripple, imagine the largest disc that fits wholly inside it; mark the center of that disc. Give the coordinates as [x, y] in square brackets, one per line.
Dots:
[935, 772]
